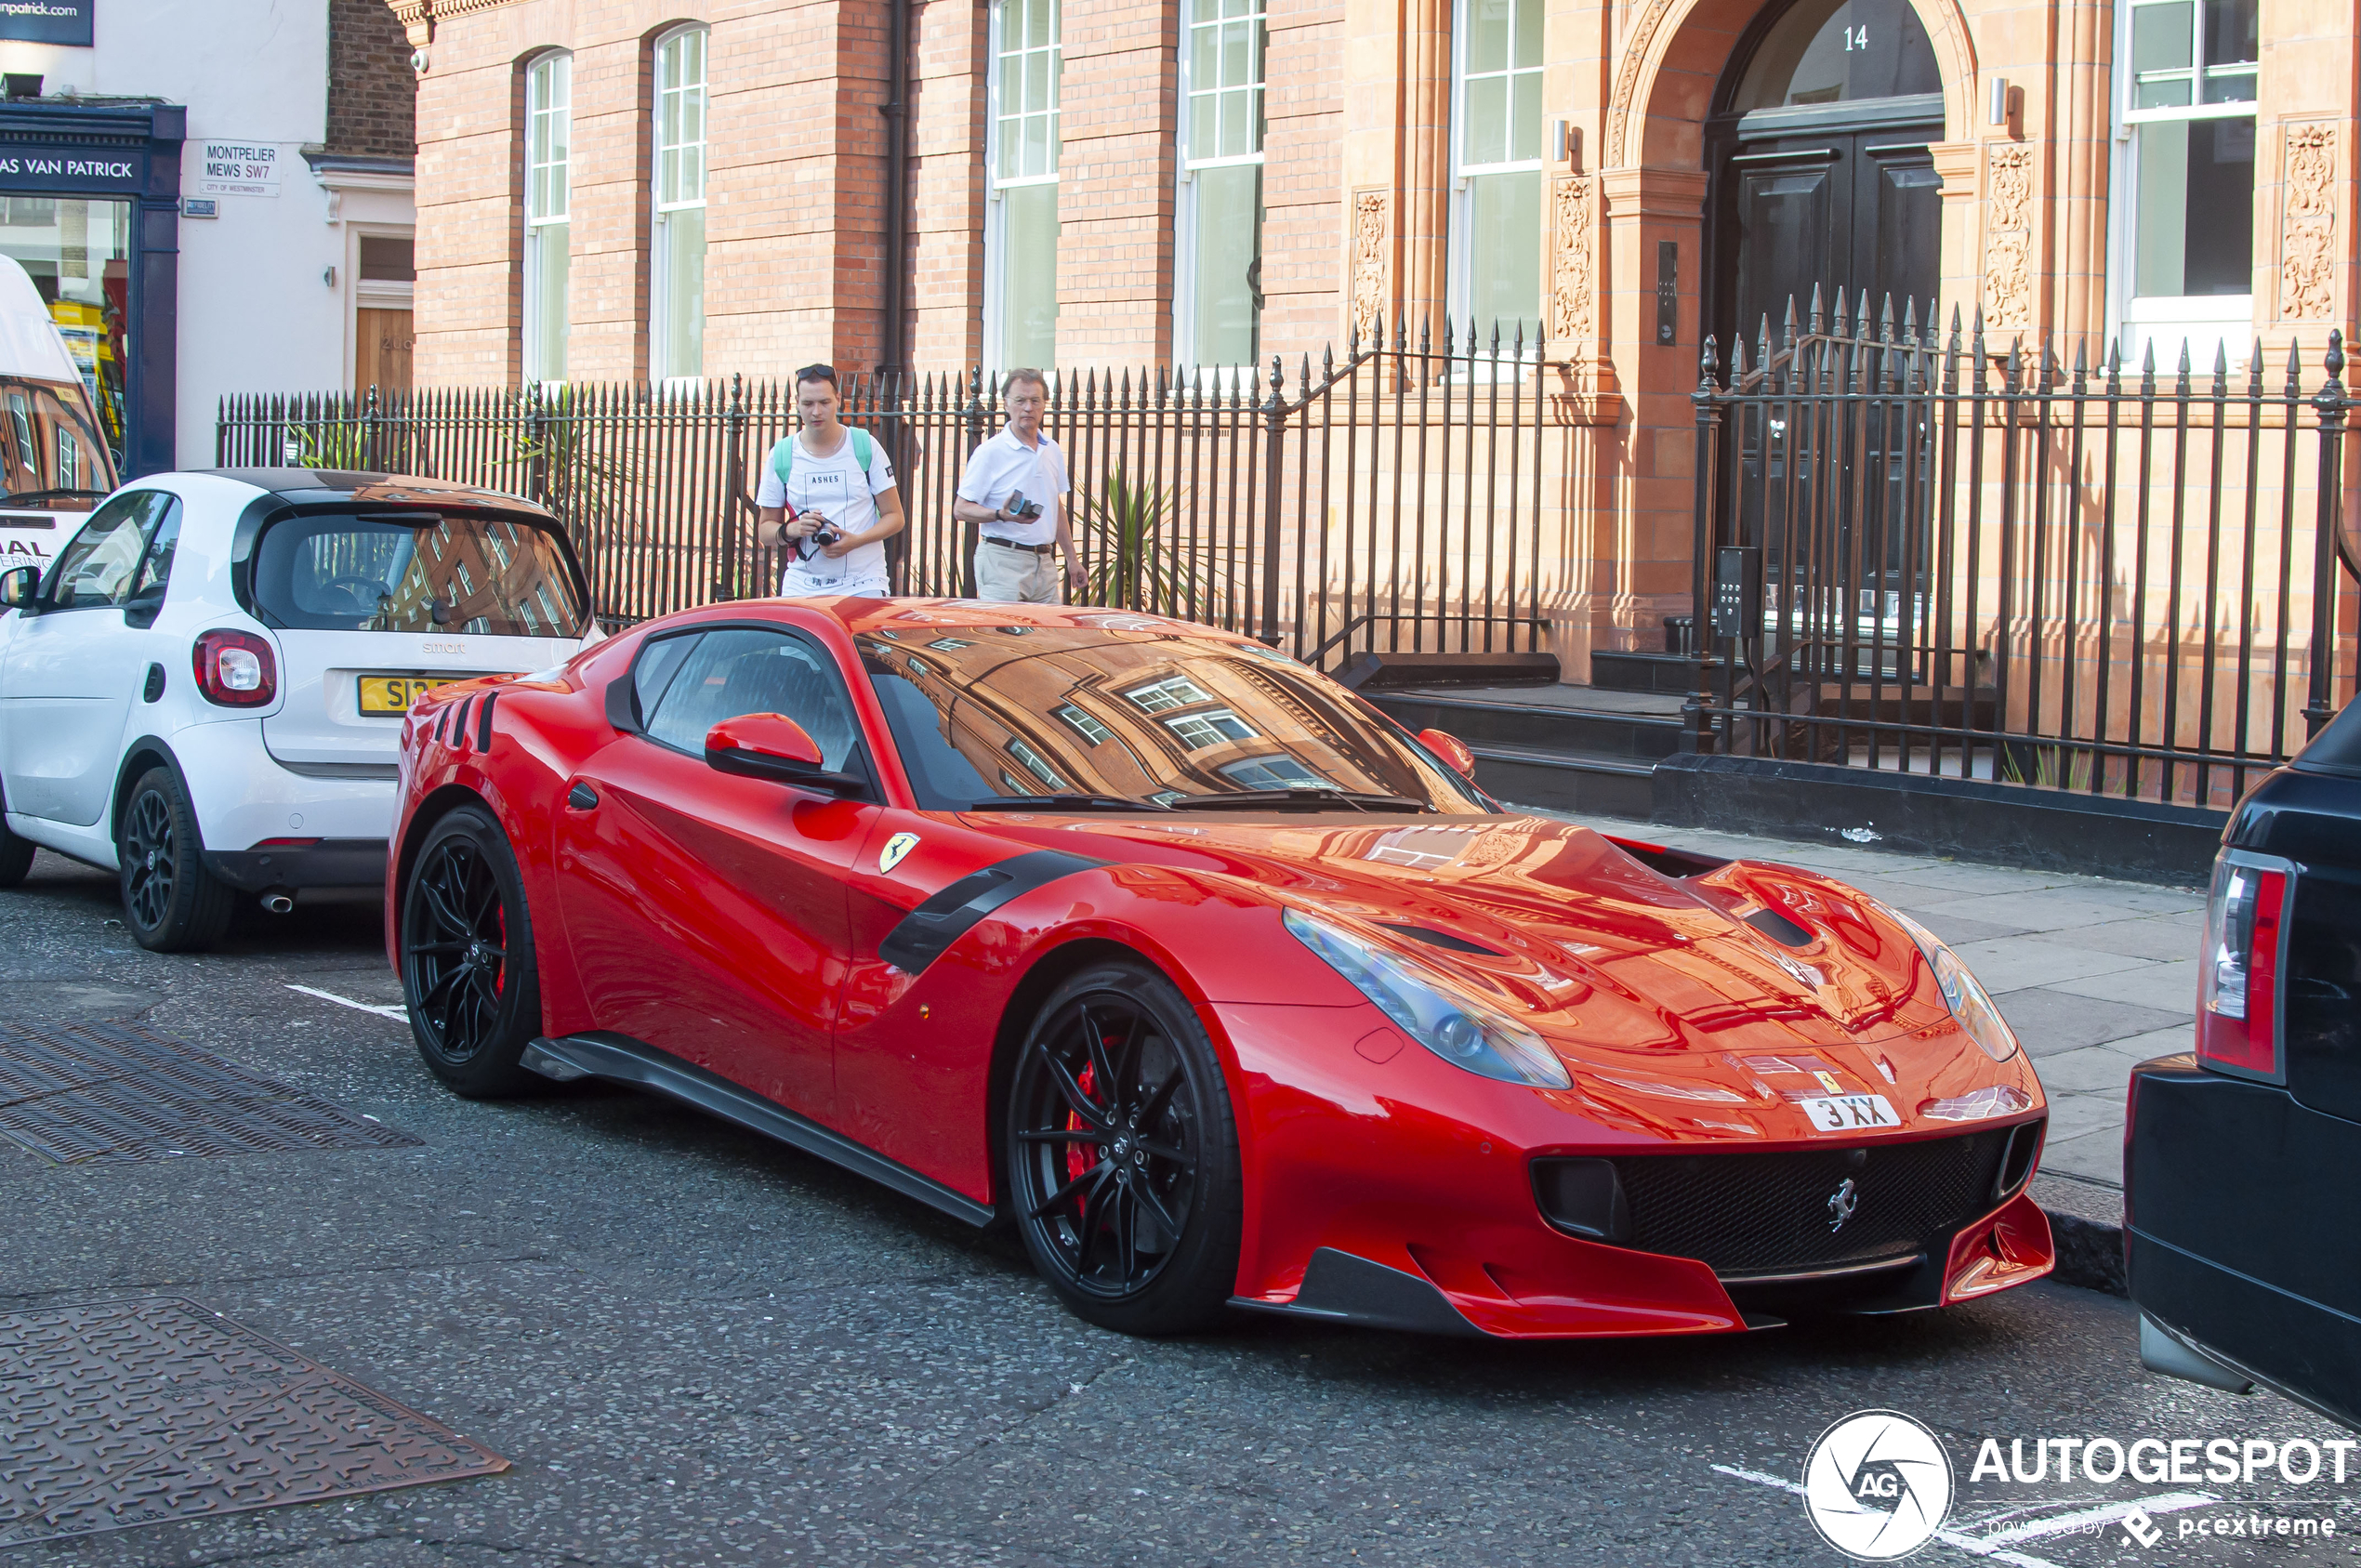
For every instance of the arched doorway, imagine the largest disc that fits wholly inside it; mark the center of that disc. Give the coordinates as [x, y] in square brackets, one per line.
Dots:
[1818, 164]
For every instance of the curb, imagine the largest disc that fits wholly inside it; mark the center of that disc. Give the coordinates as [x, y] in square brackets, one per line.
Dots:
[2086, 1220]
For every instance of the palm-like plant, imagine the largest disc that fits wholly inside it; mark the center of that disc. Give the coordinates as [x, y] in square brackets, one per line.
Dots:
[1138, 560]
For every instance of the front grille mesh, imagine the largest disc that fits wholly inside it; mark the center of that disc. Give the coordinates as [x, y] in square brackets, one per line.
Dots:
[1768, 1213]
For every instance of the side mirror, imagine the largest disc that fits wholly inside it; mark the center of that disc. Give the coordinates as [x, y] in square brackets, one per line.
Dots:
[772, 745]
[1452, 749]
[19, 588]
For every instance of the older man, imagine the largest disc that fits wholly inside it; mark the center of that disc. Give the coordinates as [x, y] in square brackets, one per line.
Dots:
[1014, 487]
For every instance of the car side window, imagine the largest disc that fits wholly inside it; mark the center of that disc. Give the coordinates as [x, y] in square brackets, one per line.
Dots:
[741, 669]
[653, 671]
[155, 567]
[97, 569]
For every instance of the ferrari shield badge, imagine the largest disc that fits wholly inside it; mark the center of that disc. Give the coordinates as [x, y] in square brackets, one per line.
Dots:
[895, 848]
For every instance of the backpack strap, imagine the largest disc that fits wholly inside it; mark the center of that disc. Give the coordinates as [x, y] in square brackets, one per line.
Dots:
[783, 456]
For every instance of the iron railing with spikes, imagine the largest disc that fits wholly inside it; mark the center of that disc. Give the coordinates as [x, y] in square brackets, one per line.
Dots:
[1954, 554]
[1386, 499]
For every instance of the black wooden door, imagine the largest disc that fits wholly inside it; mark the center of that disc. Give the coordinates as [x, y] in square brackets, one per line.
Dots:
[1856, 208]
[1844, 198]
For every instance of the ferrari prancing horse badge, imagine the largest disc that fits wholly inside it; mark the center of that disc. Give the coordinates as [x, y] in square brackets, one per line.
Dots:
[895, 848]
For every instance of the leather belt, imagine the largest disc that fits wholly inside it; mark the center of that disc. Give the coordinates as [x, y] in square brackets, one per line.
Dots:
[1012, 544]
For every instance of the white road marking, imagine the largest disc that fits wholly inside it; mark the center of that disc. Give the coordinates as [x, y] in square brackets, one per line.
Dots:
[403, 1013]
[1995, 1546]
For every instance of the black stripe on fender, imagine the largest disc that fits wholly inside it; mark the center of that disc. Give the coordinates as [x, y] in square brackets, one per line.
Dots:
[927, 931]
[484, 722]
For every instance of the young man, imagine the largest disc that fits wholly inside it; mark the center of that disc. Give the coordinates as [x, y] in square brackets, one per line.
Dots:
[1013, 557]
[829, 480]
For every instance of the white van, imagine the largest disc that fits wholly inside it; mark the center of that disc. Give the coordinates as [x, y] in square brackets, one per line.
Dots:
[55, 459]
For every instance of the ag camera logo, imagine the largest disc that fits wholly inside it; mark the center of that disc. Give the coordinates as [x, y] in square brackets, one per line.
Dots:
[1876, 1485]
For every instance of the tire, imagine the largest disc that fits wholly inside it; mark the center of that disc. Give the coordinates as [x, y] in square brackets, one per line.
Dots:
[468, 970]
[171, 904]
[15, 856]
[1136, 1234]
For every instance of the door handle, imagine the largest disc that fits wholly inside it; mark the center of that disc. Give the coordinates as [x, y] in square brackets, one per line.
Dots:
[582, 797]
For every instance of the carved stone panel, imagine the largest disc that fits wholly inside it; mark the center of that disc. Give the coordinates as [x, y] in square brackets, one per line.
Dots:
[1573, 266]
[2008, 237]
[1371, 244]
[2308, 224]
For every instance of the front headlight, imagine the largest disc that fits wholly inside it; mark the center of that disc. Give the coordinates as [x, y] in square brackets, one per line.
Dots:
[1962, 993]
[1462, 1031]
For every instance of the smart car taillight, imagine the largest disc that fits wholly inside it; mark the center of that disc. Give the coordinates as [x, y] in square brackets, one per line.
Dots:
[2239, 970]
[236, 669]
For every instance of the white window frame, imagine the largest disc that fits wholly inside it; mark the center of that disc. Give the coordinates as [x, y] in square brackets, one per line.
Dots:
[1460, 294]
[555, 63]
[996, 241]
[2209, 324]
[660, 280]
[1187, 166]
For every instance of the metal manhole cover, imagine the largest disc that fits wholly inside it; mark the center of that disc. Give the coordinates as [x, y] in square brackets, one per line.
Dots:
[131, 1413]
[102, 1093]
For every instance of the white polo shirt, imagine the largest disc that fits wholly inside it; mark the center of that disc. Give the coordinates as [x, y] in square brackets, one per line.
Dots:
[1005, 465]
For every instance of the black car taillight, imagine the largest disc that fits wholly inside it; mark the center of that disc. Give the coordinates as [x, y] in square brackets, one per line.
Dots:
[2245, 922]
[236, 669]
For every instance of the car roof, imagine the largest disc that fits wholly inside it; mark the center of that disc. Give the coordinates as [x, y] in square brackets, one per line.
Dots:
[372, 489]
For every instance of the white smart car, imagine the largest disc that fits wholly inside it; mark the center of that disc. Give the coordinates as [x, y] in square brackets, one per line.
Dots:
[204, 691]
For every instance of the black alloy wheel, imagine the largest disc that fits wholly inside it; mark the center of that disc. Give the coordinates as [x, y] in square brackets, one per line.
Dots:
[171, 904]
[1122, 1155]
[467, 970]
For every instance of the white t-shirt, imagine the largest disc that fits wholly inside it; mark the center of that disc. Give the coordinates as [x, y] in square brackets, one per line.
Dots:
[1004, 465]
[834, 487]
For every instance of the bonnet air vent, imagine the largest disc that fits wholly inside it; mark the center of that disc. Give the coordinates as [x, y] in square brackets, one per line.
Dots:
[1434, 937]
[1779, 929]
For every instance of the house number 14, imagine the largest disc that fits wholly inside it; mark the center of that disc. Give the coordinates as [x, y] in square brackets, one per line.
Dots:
[1856, 38]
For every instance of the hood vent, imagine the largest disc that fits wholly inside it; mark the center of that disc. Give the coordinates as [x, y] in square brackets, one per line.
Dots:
[1778, 928]
[1434, 937]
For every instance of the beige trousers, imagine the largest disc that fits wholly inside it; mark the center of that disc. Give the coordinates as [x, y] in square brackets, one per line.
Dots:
[1018, 576]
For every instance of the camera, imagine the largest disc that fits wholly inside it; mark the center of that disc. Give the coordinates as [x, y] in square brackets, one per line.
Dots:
[1020, 508]
[824, 536]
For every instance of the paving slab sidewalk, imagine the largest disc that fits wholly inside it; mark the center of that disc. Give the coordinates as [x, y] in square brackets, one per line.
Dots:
[2093, 975]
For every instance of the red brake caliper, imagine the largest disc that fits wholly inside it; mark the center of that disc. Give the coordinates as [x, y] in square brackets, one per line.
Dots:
[1080, 1158]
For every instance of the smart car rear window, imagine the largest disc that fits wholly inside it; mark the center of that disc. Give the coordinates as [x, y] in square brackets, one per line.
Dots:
[416, 572]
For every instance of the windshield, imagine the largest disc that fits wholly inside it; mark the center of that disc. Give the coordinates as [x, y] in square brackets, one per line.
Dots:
[416, 572]
[1139, 711]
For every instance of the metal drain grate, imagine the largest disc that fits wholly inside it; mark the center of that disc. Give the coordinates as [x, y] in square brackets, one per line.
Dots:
[134, 1412]
[104, 1093]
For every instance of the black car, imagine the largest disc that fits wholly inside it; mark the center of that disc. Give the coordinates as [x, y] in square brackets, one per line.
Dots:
[2241, 1233]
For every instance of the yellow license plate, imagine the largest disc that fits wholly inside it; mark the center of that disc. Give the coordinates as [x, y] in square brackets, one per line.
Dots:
[394, 694]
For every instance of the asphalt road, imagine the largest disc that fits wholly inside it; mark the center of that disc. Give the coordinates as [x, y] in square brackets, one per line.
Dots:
[698, 1346]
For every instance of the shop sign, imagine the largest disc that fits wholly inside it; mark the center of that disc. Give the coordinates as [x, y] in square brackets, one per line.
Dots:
[48, 21]
[236, 168]
[73, 170]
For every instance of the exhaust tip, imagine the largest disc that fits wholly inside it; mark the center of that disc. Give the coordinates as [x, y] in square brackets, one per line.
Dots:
[279, 904]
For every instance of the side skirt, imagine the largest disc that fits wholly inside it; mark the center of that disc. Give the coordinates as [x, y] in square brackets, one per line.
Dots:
[626, 1061]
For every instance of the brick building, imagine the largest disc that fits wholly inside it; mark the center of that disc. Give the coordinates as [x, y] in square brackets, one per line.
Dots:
[628, 188]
